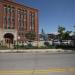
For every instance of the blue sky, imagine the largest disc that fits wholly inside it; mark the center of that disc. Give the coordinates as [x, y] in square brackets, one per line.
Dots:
[53, 13]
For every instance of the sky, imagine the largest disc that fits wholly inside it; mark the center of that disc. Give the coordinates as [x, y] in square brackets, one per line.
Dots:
[53, 13]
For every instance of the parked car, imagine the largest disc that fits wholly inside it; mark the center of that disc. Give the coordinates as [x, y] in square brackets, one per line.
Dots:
[56, 42]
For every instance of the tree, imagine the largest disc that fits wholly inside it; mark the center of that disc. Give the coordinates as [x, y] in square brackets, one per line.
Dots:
[62, 34]
[30, 36]
[61, 31]
[67, 35]
[73, 37]
[74, 31]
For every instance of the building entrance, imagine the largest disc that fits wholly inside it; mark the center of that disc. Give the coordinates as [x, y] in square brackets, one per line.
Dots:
[9, 38]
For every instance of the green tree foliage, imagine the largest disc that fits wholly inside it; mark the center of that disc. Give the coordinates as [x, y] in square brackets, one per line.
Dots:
[63, 34]
[61, 31]
[30, 35]
[74, 31]
[67, 35]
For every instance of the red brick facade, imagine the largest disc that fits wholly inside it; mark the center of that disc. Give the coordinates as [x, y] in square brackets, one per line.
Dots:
[19, 18]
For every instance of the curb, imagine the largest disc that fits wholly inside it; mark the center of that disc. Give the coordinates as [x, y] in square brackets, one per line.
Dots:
[37, 51]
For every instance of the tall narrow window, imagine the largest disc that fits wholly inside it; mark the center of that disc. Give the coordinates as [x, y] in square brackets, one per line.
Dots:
[25, 19]
[19, 18]
[9, 9]
[5, 17]
[13, 17]
[22, 19]
[5, 9]
[13, 23]
[33, 21]
[30, 21]
[5, 22]
[8, 22]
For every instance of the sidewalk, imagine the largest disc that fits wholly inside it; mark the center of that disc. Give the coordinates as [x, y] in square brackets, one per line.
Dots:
[36, 51]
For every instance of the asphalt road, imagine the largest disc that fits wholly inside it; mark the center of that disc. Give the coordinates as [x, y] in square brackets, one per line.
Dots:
[37, 64]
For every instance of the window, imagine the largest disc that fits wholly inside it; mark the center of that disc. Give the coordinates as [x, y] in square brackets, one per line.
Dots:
[13, 23]
[21, 19]
[21, 34]
[8, 22]
[9, 9]
[13, 17]
[12, 9]
[25, 19]
[5, 22]
[5, 9]
[32, 21]
[18, 11]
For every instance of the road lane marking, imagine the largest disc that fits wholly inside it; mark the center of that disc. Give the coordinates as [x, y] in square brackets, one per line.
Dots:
[24, 72]
[62, 70]
[37, 71]
[58, 70]
[72, 69]
[16, 71]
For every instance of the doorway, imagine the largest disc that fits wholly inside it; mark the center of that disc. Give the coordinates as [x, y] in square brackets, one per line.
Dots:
[9, 38]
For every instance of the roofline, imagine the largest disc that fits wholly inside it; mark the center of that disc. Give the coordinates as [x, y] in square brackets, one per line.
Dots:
[21, 5]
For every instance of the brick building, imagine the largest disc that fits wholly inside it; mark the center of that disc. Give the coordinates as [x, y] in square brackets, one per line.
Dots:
[15, 20]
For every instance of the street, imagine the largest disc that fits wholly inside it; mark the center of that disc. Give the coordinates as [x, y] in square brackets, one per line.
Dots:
[37, 64]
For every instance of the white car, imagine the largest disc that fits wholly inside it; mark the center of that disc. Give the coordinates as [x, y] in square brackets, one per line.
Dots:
[56, 42]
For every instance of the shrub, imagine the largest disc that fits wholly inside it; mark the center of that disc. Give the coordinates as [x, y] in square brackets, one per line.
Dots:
[51, 47]
[46, 44]
[29, 46]
[65, 47]
[3, 47]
